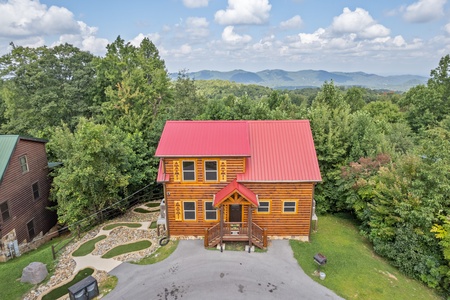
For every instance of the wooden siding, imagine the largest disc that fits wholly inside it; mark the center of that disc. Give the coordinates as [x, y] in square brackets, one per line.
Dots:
[16, 189]
[276, 222]
[198, 191]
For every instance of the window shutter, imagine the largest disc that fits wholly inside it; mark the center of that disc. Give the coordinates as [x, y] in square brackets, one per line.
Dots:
[176, 171]
[223, 171]
[178, 211]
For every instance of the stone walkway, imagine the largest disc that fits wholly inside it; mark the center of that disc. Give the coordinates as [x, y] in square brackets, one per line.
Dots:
[68, 266]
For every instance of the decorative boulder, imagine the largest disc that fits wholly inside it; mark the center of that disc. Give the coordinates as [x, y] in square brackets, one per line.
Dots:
[34, 273]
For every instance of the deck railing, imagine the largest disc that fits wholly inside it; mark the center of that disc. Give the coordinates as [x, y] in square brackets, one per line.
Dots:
[238, 229]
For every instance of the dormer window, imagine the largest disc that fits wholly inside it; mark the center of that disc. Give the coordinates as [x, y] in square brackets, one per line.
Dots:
[211, 170]
[188, 170]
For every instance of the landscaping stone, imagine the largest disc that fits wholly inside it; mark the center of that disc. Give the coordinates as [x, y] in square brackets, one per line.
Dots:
[64, 271]
[34, 273]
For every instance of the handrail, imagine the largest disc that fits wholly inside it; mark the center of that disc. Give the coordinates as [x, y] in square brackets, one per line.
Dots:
[238, 228]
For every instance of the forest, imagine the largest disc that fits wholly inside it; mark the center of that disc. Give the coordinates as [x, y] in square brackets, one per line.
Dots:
[384, 156]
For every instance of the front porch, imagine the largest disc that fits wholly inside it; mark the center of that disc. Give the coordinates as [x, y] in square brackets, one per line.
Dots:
[236, 232]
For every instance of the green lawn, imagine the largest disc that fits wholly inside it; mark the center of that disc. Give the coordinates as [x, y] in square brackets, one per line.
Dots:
[62, 290]
[160, 254]
[353, 270]
[153, 204]
[142, 210]
[114, 225]
[153, 225]
[88, 246]
[11, 271]
[122, 249]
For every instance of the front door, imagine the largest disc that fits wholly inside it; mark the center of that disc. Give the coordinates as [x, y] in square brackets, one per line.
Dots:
[235, 213]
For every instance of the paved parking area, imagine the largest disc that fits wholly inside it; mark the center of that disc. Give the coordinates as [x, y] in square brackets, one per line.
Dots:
[192, 272]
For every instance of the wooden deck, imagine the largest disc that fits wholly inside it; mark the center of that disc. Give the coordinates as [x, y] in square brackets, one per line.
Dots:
[235, 232]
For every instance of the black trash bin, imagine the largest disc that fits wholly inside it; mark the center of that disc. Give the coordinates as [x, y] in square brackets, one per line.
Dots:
[85, 289]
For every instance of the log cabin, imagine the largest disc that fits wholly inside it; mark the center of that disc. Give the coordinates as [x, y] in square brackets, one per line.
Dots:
[244, 181]
[24, 191]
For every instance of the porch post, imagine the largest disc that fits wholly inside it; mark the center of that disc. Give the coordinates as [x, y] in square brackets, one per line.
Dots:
[221, 227]
[250, 222]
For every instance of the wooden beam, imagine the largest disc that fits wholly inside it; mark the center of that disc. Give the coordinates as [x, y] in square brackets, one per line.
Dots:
[221, 227]
[249, 228]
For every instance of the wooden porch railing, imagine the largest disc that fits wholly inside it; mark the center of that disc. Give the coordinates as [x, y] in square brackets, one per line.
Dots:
[235, 231]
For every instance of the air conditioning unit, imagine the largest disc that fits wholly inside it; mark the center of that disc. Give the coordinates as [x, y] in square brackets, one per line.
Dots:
[13, 248]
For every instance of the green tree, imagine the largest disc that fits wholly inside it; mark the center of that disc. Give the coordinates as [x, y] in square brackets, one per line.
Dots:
[46, 86]
[95, 169]
[136, 99]
[189, 104]
[354, 97]
[366, 138]
[440, 81]
[423, 107]
[330, 124]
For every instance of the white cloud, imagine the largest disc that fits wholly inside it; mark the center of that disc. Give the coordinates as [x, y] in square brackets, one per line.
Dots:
[32, 24]
[85, 39]
[20, 18]
[309, 38]
[195, 3]
[197, 27]
[230, 37]
[447, 28]
[153, 37]
[359, 22]
[244, 12]
[292, 23]
[424, 11]
[399, 41]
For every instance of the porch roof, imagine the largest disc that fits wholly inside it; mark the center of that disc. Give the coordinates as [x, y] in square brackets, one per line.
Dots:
[232, 188]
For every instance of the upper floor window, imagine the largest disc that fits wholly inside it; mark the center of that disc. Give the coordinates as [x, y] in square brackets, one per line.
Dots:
[211, 170]
[289, 207]
[36, 193]
[4, 210]
[188, 170]
[23, 163]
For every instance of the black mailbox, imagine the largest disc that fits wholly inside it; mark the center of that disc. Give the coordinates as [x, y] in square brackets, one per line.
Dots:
[85, 289]
[320, 259]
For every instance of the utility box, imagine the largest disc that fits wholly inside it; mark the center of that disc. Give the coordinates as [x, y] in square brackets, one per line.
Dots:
[85, 289]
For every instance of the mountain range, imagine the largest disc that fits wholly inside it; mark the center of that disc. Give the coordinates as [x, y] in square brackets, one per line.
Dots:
[280, 79]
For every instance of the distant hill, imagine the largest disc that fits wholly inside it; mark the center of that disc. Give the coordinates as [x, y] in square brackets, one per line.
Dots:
[280, 79]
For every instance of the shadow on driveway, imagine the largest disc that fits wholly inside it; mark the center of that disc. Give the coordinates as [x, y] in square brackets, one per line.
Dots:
[192, 272]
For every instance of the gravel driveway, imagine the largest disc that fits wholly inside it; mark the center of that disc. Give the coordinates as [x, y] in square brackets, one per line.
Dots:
[192, 272]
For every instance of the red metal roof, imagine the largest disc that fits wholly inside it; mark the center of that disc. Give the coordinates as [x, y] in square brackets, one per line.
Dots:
[232, 188]
[162, 176]
[204, 139]
[276, 151]
[281, 151]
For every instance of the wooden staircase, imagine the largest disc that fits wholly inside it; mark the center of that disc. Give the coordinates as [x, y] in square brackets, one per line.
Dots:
[235, 232]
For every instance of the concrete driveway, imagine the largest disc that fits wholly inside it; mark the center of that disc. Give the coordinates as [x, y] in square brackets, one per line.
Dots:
[192, 272]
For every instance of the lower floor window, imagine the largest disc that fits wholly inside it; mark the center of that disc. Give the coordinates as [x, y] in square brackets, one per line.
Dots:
[30, 227]
[264, 207]
[189, 212]
[35, 188]
[210, 211]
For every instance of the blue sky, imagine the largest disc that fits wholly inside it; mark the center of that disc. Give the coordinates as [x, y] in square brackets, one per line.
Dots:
[382, 37]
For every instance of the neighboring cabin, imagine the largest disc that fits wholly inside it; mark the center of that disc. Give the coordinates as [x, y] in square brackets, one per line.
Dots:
[24, 191]
[238, 180]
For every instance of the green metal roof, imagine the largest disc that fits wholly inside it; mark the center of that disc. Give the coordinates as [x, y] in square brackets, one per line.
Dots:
[7, 145]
